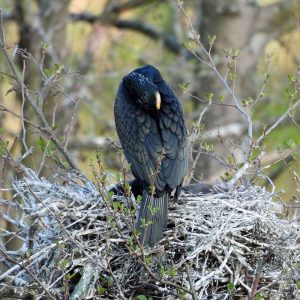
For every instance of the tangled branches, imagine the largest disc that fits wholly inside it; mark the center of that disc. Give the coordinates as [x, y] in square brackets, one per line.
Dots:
[79, 244]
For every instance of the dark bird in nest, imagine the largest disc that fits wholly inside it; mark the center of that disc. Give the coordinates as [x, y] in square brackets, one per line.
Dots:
[151, 128]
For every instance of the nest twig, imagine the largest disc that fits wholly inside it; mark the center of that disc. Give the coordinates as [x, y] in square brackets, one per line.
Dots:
[77, 243]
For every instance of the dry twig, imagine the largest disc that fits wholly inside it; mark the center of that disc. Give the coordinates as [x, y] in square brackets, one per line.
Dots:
[220, 237]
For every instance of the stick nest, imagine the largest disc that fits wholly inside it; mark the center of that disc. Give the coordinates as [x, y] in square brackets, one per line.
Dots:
[77, 243]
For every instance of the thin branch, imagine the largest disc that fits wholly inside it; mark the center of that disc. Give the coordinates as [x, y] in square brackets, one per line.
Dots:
[188, 271]
[36, 109]
[2, 35]
[210, 63]
[264, 85]
[193, 138]
[279, 120]
[4, 109]
[255, 281]
[29, 272]
[207, 101]
[170, 42]
[70, 124]
[219, 233]
[132, 4]
[22, 109]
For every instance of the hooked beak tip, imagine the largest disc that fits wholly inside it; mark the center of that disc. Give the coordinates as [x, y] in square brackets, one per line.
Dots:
[158, 100]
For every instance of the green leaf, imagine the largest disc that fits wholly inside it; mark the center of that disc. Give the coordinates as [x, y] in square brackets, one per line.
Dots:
[101, 290]
[232, 76]
[60, 245]
[138, 199]
[58, 68]
[110, 194]
[127, 187]
[227, 176]
[247, 101]
[208, 147]
[113, 224]
[153, 210]
[211, 39]
[44, 45]
[3, 147]
[51, 149]
[41, 143]
[118, 177]
[231, 159]
[185, 44]
[148, 260]
[235, 53]
[292, 78]
[70, 276]
[116, 205]
[230, 288]
[172, 272]
[209, 96]
[258, 297]
[240, 165]
[184, 86]
[141, 297]
[290, 93]
[137, 232]
[162, 270]
[189, 45]
[64, 262]
[181, 293]
[227, 51]
[19, 199]
[49, 72]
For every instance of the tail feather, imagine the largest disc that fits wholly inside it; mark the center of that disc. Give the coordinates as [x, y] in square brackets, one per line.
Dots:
[154, 212]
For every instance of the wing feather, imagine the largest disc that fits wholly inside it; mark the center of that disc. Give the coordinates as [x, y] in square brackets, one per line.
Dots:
[156, 149]
[174, 136]
[140, 139]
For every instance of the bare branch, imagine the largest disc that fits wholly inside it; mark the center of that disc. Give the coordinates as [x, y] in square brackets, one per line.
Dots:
[221, 232]
[279, 120]
[170, 41]
[208, 61]
[36, 109]
[132, 4]
[29, 272]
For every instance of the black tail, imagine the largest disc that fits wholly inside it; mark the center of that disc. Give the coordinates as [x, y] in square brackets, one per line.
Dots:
[154, 212]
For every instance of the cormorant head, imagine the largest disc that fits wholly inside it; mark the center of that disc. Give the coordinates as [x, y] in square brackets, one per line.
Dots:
[150, 72]
[141, 86]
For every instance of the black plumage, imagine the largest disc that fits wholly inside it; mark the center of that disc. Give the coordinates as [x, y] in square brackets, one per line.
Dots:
[150, 124]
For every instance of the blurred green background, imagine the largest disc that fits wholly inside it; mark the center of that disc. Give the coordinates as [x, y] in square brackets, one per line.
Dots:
[94, 43]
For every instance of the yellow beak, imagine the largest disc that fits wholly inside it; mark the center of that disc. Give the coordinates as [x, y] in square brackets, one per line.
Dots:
[158, 100]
